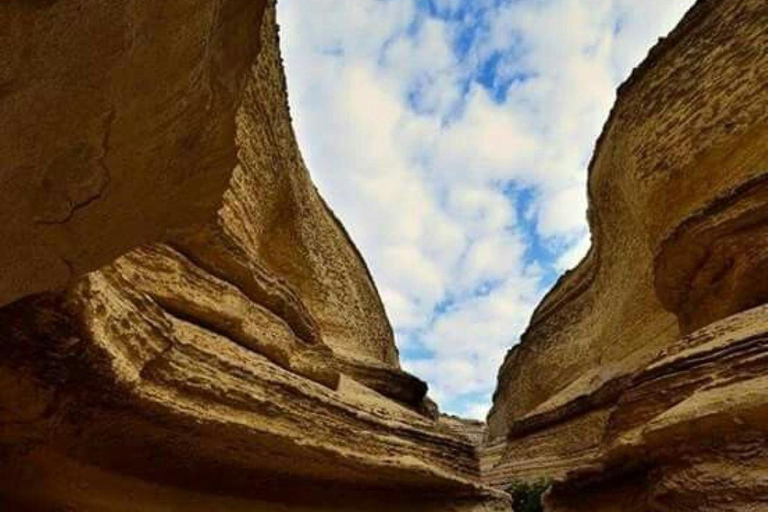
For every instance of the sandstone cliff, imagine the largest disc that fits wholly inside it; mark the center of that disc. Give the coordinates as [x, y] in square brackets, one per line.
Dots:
[640, 382]
[242, 362]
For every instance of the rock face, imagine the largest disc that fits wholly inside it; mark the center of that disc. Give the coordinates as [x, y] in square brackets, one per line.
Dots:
[640, 383]
[118, 123]
[243, 361]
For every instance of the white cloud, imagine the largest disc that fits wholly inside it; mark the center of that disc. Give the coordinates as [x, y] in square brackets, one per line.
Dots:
[419, 125]
[573, 255]
[565, 210]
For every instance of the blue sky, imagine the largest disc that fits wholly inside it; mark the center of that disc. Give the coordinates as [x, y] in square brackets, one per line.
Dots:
[452, 137]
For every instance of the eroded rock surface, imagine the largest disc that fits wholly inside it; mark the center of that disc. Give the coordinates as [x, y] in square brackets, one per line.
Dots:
[640, 383]
[118, 122]
[242, 362]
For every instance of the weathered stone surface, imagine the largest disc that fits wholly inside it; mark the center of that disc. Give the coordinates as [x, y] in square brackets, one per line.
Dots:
[243, 362]
[682, 157]
[117, 126]
[640, 382]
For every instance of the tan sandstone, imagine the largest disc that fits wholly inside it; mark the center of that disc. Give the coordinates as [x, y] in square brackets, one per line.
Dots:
[243, 362]
[117, 126]
[640, 382]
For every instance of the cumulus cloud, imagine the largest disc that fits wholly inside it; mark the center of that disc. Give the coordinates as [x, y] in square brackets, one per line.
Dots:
[452, 137]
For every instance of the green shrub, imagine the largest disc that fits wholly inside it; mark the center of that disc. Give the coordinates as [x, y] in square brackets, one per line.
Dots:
[526, 496]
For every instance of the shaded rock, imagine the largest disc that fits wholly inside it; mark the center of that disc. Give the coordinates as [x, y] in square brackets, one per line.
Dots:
[118, 124]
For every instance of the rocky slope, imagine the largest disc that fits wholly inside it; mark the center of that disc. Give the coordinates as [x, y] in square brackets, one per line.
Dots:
[640, 382]
[244, 362]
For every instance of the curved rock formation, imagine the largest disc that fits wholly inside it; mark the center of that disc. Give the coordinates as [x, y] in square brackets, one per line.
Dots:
[243, 361]
[606, 394]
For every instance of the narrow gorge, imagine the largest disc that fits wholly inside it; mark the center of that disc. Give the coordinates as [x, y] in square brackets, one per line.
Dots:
[186, 326]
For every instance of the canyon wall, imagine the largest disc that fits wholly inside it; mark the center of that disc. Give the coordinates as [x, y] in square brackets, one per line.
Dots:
[640, 383]
[243, 360]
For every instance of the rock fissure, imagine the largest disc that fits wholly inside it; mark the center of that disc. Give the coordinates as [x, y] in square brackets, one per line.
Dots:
[74, 206]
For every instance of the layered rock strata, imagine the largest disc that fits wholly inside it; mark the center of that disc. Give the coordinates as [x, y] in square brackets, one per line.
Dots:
[640, 383]
[243, 362]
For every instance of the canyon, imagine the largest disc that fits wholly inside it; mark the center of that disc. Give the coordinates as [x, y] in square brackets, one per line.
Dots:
[185, 324]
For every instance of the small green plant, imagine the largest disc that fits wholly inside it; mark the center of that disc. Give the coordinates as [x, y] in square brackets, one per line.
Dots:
[526, 496]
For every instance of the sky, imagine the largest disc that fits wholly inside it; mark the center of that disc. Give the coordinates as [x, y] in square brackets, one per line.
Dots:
[452, 138]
